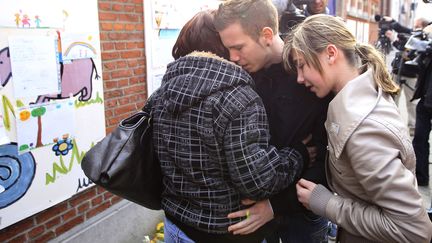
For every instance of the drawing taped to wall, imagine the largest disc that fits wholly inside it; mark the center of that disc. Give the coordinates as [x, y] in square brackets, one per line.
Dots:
[31, 14]
[43, 124]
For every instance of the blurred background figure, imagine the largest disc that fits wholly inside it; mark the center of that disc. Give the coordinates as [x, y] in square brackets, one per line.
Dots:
[405, 75]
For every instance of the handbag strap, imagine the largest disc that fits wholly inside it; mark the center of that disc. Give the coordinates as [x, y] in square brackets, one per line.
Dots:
[149, 103]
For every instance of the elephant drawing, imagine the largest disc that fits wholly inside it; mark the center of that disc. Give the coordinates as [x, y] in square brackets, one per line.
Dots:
[76, 78]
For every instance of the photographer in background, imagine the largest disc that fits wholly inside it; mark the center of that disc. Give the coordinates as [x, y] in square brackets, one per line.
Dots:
[316, 7]
[424, 110]
[403, 74]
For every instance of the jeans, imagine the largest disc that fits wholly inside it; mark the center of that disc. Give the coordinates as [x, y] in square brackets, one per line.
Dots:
[172, 234]
[301, 227]
[421, 142]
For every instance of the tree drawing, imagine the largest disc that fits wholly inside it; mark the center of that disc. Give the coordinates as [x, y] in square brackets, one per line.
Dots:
[38, 112]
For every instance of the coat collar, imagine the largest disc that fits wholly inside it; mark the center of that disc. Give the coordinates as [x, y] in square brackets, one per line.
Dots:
[349, 108]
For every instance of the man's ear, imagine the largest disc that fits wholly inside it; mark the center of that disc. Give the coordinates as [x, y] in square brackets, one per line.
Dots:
[267, 33]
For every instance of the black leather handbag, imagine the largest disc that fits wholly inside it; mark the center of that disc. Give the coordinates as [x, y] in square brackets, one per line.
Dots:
[125, 163]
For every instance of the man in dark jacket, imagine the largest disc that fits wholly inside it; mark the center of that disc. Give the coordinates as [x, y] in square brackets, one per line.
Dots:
[249, 30]
[423, 118]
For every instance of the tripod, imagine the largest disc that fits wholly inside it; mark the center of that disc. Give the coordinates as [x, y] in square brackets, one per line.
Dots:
[383, 44]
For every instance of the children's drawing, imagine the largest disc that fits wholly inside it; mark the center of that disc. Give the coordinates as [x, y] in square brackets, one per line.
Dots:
[16, 174]
[76, 80]
[78, 46]
[40, 125]
[5, 66]
[35, 66]
[32, 14]
[62, 146]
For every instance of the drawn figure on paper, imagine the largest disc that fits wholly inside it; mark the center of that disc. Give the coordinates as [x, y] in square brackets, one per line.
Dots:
[37, 21]
[17, 19]
[76, 79]
[25, 21]
[62, 146]
[5, 66]
[16, 174]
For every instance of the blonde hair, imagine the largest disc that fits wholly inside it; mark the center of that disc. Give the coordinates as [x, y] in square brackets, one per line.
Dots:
[252, 15]
[311, 37]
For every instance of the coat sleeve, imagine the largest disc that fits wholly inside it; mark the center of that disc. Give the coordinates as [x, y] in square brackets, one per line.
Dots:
[394, 211]
[257, 169]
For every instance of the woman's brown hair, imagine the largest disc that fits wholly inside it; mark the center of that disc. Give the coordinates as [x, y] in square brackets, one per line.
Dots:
[199, 34]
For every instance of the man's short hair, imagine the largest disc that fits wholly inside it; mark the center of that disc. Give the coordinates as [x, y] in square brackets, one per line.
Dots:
[423, 22]
[252, 15]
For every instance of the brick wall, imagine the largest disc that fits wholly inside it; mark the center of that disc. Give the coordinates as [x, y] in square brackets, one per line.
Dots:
[121, 24]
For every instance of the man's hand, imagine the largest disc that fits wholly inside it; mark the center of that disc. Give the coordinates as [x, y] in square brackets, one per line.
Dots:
[256, 216]
[304, 191]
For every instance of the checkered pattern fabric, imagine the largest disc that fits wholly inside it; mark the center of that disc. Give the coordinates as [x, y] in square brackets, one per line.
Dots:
[211, 136]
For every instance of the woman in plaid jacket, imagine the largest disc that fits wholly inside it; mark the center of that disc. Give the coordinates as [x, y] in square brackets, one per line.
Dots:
[211, 136]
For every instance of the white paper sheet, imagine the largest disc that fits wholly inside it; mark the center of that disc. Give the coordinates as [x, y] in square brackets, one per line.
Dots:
[35, 68]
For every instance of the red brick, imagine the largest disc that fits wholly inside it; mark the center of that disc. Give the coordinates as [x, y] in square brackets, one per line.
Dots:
[121, 74]
[131, 54]
[129, 27]
[36, 231]
[104, 6]
[121, 64]
[107, 16]
[83, 207]
[106, 26]
[114, 121]
[16, 229]
[53, 222]
[117, 7]
[138, 71]
[107, 195]
[118, 27]
[69, 225]
[134, 89]
[110, 55]
[131, 45]
[98, 209]
[19, 239]
[112, 94]
[110, 84]
[110, 65]
[69, 214]
[125, 109]
[132, 63]
[106, 76]
[134, 80]
[119, 36]
[45, 237]
[120, 46]
[124, 101]
[96, 201]
[51, 212]
[83, 196]
[129, 9]
[129, 17]
[123, 82]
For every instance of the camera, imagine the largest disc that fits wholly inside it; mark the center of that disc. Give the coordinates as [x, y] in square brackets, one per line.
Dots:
[383, 25]
[291, 16]
[383, 43]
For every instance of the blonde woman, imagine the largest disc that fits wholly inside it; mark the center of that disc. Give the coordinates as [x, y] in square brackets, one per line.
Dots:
[371, 162]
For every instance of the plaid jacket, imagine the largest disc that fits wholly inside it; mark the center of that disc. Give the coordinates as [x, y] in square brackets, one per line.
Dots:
[211, 136]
